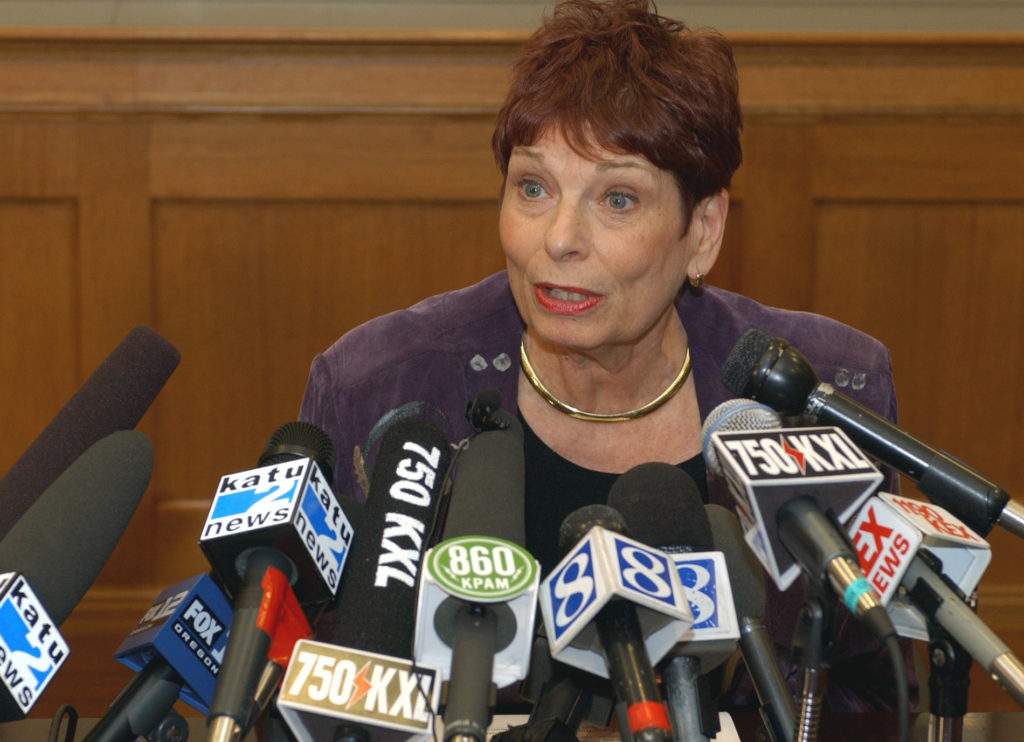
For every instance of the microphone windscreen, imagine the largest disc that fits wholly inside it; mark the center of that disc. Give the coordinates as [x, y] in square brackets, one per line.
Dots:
[732, 415]
[744, 359]
[745, 573]
[300, 439]
[489, 485]
[662, 507]
[376, 604]
[577, 523]
[114, 397]
[65, 538]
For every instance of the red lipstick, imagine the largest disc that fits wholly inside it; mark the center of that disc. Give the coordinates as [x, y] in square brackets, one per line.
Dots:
[564, 299]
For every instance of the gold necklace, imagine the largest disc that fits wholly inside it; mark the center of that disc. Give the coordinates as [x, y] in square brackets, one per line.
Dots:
[616, 417]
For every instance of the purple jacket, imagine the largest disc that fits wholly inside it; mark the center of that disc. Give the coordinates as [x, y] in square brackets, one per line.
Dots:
[446, 348]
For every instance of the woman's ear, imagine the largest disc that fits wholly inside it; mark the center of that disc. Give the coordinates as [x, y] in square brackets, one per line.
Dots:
[709, 224]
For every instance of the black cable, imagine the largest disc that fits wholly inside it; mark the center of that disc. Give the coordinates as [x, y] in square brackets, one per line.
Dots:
[902, 692]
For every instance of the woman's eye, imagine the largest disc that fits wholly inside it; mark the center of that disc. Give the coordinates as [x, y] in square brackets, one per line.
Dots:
[619, 200]
[531, 189]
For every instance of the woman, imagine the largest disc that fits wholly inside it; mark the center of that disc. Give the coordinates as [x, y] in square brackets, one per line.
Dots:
[617, 142]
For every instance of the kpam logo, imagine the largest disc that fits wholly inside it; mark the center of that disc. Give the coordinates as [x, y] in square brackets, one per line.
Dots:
[254, 499]
[806, 452]
[31, 649]
[360, 685]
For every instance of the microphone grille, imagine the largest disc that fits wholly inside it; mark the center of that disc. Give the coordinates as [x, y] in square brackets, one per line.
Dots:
[732, 415]
[580, 521]
[300, 439]
[743, 359]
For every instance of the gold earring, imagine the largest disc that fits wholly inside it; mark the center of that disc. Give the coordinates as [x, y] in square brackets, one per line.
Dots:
[696, 283]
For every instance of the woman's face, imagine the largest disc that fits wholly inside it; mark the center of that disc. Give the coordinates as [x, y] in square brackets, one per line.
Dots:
[595, 248]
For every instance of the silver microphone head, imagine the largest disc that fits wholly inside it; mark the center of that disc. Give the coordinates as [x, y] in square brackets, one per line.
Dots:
[733, 415]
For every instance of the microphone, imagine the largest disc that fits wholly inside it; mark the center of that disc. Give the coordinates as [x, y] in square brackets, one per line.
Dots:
[376, 687]
[268, 529]
[771, 371]
[53, 554]
[778, 711]
[767, 470]
[663, 508]
[176, 648]
[934, 560]
[477, 599]
[596, 589]
[114, 397]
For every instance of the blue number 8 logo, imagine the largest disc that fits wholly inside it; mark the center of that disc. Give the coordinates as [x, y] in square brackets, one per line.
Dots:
[696, 581]
[644, 572]
[573, 589]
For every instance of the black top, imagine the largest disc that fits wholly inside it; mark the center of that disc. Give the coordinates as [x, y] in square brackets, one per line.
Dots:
[556, 487]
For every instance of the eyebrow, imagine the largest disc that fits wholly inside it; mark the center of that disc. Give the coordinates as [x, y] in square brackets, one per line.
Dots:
[602, 166]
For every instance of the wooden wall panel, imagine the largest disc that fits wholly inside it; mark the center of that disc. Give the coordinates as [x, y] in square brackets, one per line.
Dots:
[38, 264]
[268, 285]
[252, 195]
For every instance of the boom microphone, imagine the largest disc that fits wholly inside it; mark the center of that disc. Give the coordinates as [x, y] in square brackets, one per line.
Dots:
[54, 553]
[114, 397]
[771, 371]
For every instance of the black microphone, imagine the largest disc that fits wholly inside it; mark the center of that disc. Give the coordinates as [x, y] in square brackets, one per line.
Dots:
[772, 371]
[619, 632]
[376, 605]
[663, 508]
[276, 537]
[54, 553]
[114, 397]
[778, 711]
[477, 599]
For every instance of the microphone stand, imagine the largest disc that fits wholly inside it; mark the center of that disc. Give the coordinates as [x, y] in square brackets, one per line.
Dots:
[948, 678]
[812, 644]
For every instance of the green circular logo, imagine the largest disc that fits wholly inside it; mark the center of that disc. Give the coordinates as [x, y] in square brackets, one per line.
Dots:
[481, 568]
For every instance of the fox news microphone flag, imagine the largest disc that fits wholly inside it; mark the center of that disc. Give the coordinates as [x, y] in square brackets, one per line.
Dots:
[276, 537]
[772, 371]
[54, 553]
[936, 559]
[375, 689]
[114, 397]
[176, 649]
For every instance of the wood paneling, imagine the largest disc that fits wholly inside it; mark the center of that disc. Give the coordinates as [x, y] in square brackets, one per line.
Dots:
[252, 195]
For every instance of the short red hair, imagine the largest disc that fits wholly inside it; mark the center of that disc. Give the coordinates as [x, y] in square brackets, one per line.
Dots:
[619, 75]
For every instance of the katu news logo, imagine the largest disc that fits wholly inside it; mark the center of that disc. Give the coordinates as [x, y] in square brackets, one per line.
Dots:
[289, 506]
[31, 648]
